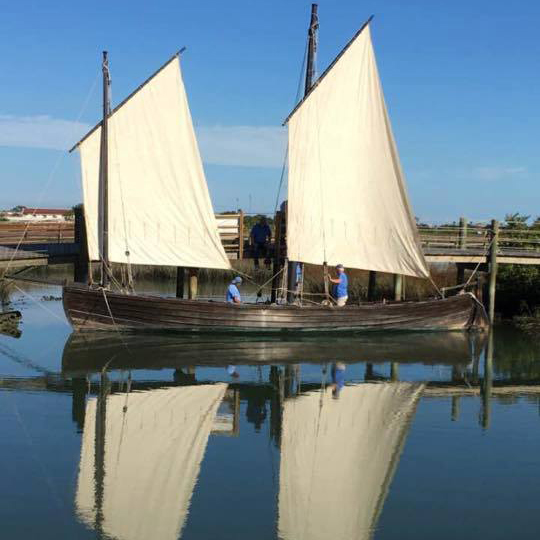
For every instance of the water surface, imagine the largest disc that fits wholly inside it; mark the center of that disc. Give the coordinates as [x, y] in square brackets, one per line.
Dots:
[378, 436]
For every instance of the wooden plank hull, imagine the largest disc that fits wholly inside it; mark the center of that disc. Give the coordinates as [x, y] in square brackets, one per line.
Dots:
[94, 309]
[90, 352]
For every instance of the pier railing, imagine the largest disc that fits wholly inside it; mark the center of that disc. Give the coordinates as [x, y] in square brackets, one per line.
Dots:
[478, 237]
[235, 236]
[14, 233]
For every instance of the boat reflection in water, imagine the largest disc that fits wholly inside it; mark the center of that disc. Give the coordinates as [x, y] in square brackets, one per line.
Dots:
[140, 459]
[144, 441]
[338, 457]
[90, 352]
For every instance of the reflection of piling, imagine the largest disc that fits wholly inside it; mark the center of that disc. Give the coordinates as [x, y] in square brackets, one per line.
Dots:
[368, 375]
[455, 408]
[289, 382]
[487, 384]
[276, 405]
[99, 450]
[79, 388]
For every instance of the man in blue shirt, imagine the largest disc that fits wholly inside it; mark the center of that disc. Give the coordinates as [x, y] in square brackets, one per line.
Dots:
[233, 294]
[341, 292]
[260, 236]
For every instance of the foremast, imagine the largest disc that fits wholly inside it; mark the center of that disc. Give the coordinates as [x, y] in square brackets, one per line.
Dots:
[103, 206]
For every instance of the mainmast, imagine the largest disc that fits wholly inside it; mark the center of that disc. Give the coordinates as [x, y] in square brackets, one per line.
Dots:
[294, 268]
[104, 175]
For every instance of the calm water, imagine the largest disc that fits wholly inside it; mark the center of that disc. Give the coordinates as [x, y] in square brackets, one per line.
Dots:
[382, 436]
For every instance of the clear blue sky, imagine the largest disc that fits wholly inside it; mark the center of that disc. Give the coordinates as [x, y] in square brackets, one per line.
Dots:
[461, 81]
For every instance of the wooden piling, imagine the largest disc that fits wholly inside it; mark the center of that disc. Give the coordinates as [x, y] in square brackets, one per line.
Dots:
[394, 371]
[277, 263]
[193, 283]
[180, 282]
[462, 233]
[372, 282]
[398, 287]
[462, 244]
[493, 268]
[240, 235]
[81, 266]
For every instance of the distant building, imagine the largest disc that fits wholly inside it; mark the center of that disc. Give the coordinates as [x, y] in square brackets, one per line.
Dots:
[24, 213]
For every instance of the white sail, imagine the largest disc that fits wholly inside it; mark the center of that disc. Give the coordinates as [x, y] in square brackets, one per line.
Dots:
[338, 457]
[347, 197]
[160, 211]
[152, 454]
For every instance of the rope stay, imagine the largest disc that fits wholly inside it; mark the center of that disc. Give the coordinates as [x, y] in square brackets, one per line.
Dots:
[52, 174]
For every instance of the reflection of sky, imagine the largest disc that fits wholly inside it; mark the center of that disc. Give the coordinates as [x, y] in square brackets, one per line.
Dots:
[43, 333]
[486, 477]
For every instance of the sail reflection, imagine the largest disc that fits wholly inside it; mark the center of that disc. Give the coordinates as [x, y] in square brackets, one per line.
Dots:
[338, 457]
[140, 459]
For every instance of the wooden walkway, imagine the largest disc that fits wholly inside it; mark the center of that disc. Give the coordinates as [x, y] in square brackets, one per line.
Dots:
[475, 255]
[16, 259]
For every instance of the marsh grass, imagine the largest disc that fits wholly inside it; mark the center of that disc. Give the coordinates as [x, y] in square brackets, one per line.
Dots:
[415, 288]
[529, 323]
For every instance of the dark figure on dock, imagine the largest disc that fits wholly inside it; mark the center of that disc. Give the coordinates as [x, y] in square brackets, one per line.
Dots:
[260, 237]
[341, 293]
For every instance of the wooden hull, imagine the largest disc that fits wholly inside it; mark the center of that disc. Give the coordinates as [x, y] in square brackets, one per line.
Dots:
[93, 309]
[90, 352]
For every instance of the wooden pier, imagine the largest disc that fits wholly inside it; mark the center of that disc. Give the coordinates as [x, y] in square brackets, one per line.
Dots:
[478, 247]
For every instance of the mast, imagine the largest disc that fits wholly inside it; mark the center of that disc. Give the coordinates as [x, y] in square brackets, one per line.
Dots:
[295, 268]
[312, 48]
[104, 174]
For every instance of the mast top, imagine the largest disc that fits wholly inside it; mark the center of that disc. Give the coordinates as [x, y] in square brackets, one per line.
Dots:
[327, 70]
[106, 66]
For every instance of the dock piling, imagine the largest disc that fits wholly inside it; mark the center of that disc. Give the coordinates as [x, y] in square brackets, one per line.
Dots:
[493, 268]
[81, 264]
[462, 243]
[180, 282]
[398, 287]
[371, 286]
[193, 283]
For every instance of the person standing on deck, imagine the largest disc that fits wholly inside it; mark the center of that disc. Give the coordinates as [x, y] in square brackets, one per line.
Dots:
[260, 236]
[233, 294]
[341, 293]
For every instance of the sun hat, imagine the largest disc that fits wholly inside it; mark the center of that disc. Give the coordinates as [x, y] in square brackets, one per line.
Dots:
[340, 266]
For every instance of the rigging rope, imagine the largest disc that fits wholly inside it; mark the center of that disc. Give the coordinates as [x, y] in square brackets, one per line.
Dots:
[52, 173]
[42, 306]
[130, 285]
[299, 93]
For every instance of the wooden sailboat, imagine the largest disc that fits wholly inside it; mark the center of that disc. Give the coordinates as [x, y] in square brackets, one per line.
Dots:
[147, 202]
